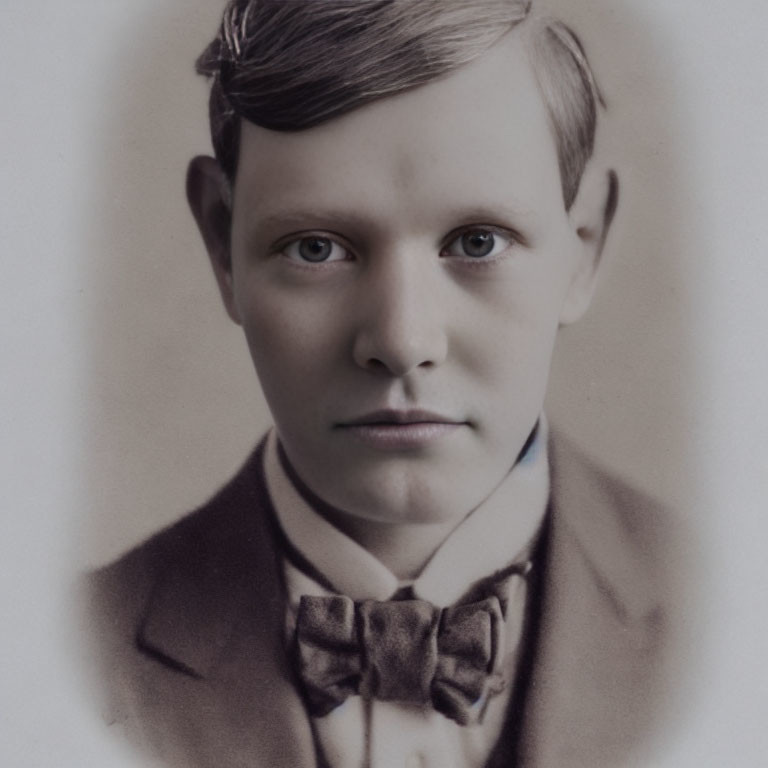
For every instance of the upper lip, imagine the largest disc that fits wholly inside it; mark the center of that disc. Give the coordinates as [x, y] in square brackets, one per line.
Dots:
[393, 416]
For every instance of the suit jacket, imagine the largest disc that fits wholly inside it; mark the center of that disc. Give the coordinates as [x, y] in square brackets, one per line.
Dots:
[190, 633]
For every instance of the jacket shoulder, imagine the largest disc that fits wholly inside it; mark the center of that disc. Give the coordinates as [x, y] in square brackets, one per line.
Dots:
[184, 633]
[601, 503]
[604, 675]
[192, 545]
[176, 584]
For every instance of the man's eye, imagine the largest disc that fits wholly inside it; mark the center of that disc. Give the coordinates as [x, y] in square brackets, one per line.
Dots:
[315, 249]
[477, 244]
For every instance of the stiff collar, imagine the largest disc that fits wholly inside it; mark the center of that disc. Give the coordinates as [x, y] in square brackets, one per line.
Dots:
[496, 534]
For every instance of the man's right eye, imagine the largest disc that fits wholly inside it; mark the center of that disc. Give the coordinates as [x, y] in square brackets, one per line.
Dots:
[315, 249]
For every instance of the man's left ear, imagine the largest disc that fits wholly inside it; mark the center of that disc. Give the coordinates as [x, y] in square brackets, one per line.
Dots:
[591, 215]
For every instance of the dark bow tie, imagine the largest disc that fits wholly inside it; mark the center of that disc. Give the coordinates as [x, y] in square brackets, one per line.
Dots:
[402, 650]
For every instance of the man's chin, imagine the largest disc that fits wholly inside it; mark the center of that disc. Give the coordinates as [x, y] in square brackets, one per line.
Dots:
[395, 501]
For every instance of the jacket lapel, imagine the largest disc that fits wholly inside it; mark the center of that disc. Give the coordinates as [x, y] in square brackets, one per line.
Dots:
[217, 619]
[594, 668]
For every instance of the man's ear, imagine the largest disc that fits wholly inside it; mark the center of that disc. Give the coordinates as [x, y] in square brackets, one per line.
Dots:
[591, 215]
[209, 196]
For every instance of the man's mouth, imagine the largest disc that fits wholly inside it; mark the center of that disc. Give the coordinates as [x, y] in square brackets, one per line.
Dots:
[399, 417]
[400, 430]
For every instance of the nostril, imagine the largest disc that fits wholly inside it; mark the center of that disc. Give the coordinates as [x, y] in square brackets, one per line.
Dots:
[386, 352]
[375, 364]
[394, 367]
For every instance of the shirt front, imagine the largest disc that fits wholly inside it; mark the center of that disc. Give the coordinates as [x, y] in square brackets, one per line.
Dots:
[364, 733]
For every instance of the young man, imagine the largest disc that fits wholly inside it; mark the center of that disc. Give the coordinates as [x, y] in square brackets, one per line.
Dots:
[410, 570]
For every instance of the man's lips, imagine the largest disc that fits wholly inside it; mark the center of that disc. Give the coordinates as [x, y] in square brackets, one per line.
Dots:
[393, 417]
[400, 430]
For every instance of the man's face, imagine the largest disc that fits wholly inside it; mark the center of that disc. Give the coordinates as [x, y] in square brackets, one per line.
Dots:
[400, 274]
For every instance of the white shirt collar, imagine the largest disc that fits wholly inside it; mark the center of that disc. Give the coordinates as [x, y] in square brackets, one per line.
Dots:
[494, 535]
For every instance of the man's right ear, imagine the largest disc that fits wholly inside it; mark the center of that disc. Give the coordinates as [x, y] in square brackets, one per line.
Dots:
[209, 196]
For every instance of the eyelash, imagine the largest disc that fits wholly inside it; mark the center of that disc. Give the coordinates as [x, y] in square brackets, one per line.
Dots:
[335, 241]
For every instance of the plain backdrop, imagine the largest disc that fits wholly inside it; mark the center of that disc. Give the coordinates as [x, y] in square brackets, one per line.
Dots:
[128, 397]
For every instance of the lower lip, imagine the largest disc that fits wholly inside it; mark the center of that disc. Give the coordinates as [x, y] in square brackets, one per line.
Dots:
[399, 437]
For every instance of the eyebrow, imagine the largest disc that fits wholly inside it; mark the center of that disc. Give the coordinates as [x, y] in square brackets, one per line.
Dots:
[492, 212]
[479, 213]
[302, 218]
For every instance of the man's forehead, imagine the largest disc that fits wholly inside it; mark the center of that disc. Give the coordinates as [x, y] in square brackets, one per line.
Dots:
[483, 129]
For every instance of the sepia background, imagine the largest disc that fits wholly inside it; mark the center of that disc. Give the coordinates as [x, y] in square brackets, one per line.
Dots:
[128, 397]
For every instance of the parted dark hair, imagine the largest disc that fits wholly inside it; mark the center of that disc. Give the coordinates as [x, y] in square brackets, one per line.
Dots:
[288, 65]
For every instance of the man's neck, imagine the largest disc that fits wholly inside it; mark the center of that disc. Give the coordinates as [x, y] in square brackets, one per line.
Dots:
[404, 548]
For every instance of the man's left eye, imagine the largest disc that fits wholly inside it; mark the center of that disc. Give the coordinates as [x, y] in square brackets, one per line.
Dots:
[478, 244]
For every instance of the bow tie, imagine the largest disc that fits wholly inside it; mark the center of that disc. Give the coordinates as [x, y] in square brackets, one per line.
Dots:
[407, 651]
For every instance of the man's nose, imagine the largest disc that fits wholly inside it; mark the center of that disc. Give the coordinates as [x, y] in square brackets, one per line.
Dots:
[401, 327]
